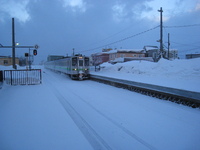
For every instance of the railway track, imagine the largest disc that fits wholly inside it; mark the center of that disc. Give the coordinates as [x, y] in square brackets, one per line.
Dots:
[188, 98]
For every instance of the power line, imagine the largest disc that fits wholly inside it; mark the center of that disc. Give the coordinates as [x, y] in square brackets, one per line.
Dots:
[190, 49]
[110, 36]
[186, 45]
[122, 39]
[94, 43]
[182, 26]
[192, 44]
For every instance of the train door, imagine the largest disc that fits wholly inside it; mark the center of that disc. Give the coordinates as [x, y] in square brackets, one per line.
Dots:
[80, 64]
[80, 67]
[74, 64]
[87, 62]
[87, 65]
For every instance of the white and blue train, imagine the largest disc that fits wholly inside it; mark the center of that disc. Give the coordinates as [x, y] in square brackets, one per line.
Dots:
[77, 67]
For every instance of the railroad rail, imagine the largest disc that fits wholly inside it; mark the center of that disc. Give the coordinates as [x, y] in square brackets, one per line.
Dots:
[179, 96]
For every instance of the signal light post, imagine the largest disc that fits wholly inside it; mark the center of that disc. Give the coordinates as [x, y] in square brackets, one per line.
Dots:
[35, 49]
[16, 46]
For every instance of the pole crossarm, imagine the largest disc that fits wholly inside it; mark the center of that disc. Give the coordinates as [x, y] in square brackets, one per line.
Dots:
[36, 47]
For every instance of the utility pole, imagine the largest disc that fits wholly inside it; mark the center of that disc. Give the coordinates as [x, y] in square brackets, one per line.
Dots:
[168, 46]
[161, 31]
[13, 44]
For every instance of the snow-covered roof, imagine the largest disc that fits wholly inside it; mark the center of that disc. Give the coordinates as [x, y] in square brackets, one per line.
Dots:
[126, 51]
[5, 56]
[120, 51]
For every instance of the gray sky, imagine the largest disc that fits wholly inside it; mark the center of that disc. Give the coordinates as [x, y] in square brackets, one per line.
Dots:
[58, 26]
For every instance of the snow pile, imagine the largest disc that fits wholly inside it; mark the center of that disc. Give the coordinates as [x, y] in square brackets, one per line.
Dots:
[6, 67]
[183, 74]
[11, 67]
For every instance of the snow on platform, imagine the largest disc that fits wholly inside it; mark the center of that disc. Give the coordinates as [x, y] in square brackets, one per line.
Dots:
[31, 118]
[180, 74]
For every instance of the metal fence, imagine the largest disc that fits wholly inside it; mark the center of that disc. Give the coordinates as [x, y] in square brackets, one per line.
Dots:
[22, 77]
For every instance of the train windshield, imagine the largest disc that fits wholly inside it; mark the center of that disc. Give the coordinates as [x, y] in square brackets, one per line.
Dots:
[86, 61]
[74, 61]
[81, 62]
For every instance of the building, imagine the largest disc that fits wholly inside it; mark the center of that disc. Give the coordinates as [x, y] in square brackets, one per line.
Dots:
[7, 61]
[152, 52]
[122, 55]
[171, 54]
[190, 56]
[119, 55]
[155, 53]
[99, 58]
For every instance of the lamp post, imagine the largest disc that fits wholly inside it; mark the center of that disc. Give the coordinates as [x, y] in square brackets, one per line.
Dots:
[13, 44]
[161, 31]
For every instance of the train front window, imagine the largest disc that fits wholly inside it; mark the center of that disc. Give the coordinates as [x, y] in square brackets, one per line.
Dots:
[74, 61]
[80, 62]
[86, 61]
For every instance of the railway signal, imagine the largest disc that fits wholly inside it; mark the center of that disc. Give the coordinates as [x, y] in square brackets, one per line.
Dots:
[34, 52]
[26, 54]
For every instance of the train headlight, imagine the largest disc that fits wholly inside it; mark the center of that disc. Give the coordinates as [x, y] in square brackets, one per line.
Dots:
[75, 69]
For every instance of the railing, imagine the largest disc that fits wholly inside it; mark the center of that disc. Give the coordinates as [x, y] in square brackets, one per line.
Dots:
[22, 77]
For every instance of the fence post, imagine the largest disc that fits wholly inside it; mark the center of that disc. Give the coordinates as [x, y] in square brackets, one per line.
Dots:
[40, 76]
[11, 77]
[1, 76]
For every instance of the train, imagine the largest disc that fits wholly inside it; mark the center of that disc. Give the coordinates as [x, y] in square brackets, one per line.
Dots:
[77, 66]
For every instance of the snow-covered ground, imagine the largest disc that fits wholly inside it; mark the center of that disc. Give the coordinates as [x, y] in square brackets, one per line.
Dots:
[65, 114]
[179, 73]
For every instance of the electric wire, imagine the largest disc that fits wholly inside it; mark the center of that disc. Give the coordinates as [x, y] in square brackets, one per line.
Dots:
[186, 45]
[126, 38]
[192, 44]
[182, 26]
[109, 36]
[195, 47]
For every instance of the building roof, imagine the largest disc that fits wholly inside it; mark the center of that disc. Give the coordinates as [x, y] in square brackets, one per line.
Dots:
[121, 51]
[5, 56]
[126, 51]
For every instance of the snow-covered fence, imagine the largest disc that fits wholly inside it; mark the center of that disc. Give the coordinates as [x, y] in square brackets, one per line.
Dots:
[23, 77]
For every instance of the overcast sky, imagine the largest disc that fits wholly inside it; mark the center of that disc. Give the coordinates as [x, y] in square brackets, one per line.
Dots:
[58, 26]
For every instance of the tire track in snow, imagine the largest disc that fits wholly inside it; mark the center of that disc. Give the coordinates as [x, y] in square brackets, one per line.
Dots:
[140, 140]
[78, 122]
[95, 140]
